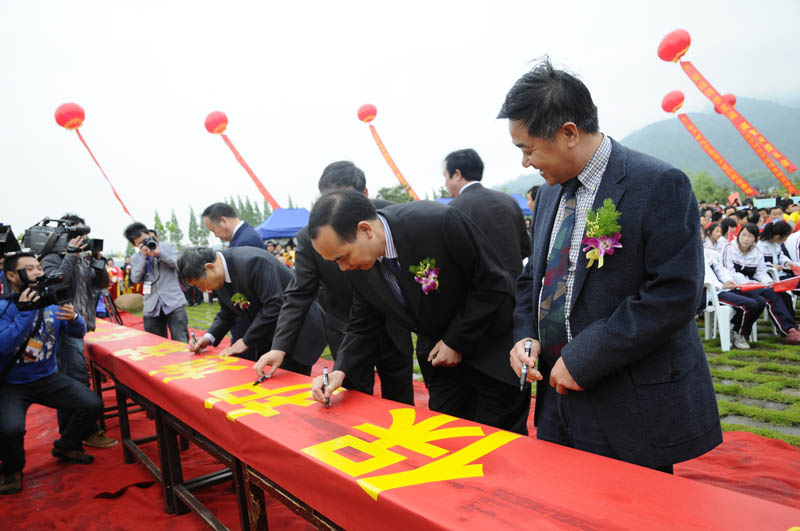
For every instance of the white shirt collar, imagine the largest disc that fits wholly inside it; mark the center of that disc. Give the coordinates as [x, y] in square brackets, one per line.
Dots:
[225, 266]
[239, 226]
[391, 251]
[469, 183]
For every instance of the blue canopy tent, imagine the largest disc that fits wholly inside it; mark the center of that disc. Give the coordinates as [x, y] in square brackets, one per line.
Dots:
[523, 204]
[283, 223]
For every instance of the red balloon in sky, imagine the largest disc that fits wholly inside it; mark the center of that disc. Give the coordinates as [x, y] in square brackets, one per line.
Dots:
[672, 101]
[674, 45]
[730, 99]
[70, 115]
[367, 112]
[216, 122]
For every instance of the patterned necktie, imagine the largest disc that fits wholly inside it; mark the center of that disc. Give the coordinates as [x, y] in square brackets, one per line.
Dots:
[552, 306]
[390, 267]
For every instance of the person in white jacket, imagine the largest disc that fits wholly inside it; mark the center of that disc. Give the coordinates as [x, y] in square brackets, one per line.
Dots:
[746, 264]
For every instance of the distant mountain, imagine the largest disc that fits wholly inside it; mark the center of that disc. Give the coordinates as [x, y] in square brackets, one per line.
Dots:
[668, 140]
[520, 185]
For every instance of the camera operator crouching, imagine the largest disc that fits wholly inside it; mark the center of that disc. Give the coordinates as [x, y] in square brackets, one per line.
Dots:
[34, 321]
[156, 266]
[67, 251]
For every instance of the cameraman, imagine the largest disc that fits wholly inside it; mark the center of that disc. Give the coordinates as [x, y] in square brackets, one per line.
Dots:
[29, 339]
[84, 279]
[155, 265]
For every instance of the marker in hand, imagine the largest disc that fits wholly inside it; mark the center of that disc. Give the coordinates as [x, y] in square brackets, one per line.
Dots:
[325, 386]
[523, 374]
[261, 379]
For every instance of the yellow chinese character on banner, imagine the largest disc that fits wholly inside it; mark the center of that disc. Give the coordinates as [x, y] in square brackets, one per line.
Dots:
[199, 368]
[404, 433]
[114, 334]
[260, 400]
[153, 351]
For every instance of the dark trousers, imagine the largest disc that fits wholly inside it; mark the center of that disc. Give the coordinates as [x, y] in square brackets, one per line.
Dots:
[779, 313]
[395, 369]
[177, 322]
[465, 392]
[570, 420]
[748, 307]
[71, 363]
[56, 391]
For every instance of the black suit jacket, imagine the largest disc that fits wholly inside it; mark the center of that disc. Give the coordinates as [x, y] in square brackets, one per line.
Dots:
[471, 311]
[635, 348]
[261, 278]
[501, 220]
[247, 236]
[315, 277]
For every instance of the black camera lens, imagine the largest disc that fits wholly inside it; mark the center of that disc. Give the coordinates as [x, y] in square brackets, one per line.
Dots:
[151, 244]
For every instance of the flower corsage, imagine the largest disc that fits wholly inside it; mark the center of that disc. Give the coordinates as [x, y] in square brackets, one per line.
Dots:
[426, 274]
[602, 233]
[240, 301]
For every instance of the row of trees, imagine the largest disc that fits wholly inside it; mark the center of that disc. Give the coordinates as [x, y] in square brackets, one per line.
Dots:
[198, 234]
[706, 187]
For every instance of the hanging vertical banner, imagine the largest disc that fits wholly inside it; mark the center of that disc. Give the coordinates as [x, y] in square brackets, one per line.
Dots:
[745, 128]
[674, 101]
[70, 116]
[367, 113]
[217, 123]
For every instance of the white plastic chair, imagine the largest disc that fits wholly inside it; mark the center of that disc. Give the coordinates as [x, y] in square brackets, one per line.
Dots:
[720, 320]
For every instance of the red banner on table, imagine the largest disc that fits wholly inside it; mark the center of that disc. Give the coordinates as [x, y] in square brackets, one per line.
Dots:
[369, 463]
[732, 174]
[749, 133]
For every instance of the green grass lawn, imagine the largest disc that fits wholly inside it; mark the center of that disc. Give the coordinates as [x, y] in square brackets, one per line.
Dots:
[758, 390]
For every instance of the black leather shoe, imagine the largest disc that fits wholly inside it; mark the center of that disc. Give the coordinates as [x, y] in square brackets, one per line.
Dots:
[72, 456]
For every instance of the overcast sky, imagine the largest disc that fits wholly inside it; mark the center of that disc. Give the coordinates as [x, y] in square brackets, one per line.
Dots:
[291, 77]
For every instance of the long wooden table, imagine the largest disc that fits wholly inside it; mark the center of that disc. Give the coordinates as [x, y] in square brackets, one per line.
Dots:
[369, 463]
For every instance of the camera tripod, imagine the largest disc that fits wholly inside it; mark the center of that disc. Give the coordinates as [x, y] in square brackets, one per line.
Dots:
[111, 309]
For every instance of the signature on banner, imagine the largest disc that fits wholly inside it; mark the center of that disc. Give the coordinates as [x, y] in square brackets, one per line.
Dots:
[198, 368]
[152, 351]
[107, 332]
[260, 400]
[403, 432]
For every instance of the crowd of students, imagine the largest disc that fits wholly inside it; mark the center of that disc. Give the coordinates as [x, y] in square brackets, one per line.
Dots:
[745, 245]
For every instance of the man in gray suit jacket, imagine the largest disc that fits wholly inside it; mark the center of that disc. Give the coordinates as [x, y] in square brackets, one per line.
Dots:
[622, 372]
[155, 266]
[496, 214]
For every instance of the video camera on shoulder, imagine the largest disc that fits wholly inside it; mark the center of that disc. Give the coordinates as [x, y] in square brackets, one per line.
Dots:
[44, 238]
[51, 289]
[8, 242]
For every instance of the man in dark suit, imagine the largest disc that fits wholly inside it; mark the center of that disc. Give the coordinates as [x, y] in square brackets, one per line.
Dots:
[622, 372]
[430, 268]
[250, 282]
[495, 213]
[221, 219]
[392, 354]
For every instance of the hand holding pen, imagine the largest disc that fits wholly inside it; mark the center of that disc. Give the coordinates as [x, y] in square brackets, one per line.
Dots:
[325, 383]
[524, 372]
[523, 360]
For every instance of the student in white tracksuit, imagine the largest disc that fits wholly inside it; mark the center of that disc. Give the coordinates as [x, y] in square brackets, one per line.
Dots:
[746, 264]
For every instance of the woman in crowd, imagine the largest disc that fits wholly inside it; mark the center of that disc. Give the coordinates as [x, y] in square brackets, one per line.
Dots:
[771, 243]
[729, 229]
[746, 264]
[714, 239]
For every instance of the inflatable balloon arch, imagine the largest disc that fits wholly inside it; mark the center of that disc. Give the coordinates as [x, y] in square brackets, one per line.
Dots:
[671, 49]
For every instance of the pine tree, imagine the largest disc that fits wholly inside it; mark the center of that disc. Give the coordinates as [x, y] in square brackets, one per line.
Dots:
[130, 251]
[239, 207]
[158, 226]
[175, 233]
[257, 212]
[267, 212]
[290, 202]
[249, 215]
[194, 228]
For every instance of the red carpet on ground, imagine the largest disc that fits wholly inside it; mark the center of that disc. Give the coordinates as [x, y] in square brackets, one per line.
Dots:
[110, 494]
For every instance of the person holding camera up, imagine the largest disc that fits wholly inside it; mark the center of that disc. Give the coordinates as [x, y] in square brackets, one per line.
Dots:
[156, 266]
[76, 265]
[30, 335]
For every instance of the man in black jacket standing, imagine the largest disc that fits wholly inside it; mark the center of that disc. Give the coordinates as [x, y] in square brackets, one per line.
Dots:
[428, 267]
[314, 277]
[250, 282]
[495, 213]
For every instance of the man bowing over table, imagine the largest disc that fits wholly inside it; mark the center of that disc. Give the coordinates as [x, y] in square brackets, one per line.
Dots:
[608, 298]
[250, 282]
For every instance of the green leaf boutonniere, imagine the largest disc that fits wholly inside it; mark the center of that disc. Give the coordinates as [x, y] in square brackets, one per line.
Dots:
[240, 301]
[602, 233]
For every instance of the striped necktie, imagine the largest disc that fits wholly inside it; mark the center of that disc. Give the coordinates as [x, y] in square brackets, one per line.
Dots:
[552, 305]
[390, 267]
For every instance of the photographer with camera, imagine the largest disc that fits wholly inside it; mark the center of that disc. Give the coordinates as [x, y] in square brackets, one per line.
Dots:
[71, 256]
[156, 266]
[31, 329]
